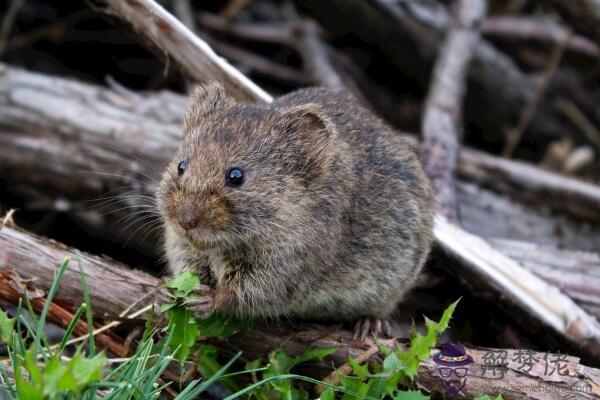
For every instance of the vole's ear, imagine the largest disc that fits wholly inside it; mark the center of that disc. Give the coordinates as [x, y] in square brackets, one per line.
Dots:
[205, 99]
[308, 133]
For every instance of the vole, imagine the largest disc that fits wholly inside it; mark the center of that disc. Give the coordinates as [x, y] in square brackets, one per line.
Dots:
[309, 207]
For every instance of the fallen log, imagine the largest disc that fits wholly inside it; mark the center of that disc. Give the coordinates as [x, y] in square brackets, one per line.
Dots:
[13, 289]
[114, 287]
[486, 267]
[532, 184]
[576, 273]
[423, 23]
[64, 143]
[439, 153]
[491, 215]
[416, 28]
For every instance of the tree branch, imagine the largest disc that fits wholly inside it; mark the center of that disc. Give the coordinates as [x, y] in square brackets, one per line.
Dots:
[538, 30]
[191, 54]
[443, 107]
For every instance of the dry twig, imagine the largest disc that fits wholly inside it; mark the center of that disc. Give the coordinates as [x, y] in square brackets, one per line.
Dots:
[193, 55]
[8, 21]
[443, 108]
[514, 136]
[539, 30]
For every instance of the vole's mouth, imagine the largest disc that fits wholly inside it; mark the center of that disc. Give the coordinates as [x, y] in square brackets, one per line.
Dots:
[203, 240]
[202, 237]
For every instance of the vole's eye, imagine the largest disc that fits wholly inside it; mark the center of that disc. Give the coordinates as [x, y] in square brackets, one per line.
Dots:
[181, 167]
[234, 177]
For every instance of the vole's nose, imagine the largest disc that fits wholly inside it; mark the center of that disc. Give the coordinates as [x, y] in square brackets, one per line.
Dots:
[188, 220]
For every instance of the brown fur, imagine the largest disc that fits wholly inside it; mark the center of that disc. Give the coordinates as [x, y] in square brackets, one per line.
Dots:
[334, 218]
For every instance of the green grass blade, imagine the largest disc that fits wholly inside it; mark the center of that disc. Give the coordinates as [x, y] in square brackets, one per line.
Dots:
[88, 309]
[34, 321]
[192, 391]
[71, 328]
[39, 331]
[19, 343]
[295, 377]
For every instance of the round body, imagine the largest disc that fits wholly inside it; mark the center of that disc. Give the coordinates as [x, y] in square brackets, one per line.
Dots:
[309, 207]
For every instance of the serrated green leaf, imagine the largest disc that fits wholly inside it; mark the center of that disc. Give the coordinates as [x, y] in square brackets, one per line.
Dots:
[53, 374]
[35, 374]
[352, 384]
[184, 332]
[392, 363]
[361, 371]
[7, 327]
[397, 366]
[445, 320]
[184, 284]
[315, 354]
[421, 345]
[221, 325]
[376, 387]
[27, 390]
[87, 370]
[391, 385]
[279, 364]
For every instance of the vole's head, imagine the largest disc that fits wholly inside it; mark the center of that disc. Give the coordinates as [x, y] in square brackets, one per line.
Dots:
[244, 171]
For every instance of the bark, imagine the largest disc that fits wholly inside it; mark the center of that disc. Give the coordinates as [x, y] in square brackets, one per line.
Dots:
[12, 289]
[322, 64]
[491, 215]
[86, 150]
[442, 120]
[532, 184]
[113, 288]
[577, 273]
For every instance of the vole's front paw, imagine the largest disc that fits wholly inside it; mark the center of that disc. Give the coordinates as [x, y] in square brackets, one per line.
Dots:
[203, 303]
[371, 326]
